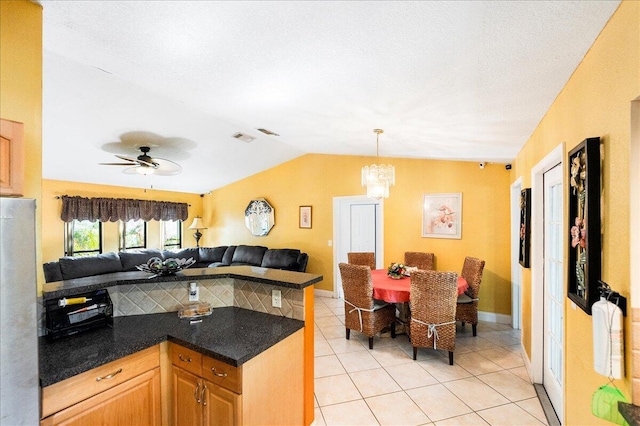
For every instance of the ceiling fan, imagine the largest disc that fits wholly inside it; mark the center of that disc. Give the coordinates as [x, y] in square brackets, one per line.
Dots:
[145, 165]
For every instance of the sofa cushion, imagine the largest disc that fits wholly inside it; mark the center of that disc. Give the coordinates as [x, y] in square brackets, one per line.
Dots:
[130, 259]
[248, 255]
[77, 267]
[212, 254]
[52, 272]
[228, 255]
[281, 259]
[186, 253]
[303, 259]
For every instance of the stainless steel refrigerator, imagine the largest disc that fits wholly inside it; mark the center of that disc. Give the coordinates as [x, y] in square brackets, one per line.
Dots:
[19, 389]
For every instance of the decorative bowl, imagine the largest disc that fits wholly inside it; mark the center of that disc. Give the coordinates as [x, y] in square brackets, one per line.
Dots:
[159, 267]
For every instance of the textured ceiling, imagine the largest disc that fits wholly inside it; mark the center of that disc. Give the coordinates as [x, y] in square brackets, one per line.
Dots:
[445, 80]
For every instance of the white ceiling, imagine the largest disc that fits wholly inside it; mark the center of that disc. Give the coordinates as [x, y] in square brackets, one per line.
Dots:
[464, 80]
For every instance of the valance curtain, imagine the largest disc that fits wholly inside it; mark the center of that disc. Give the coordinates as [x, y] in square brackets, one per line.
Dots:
[114, 209]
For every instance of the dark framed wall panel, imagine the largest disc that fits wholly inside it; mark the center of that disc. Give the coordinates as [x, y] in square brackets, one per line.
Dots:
[584, 266]
[525, 227]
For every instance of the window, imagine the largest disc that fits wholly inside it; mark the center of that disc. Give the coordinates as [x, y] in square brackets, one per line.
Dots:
[133, 234]
[171, 234]
[83, 238]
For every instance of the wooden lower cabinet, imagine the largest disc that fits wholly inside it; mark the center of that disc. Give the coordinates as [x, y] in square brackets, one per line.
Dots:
[266, 390]
[197, 401]
[221, 406]
[134, 402]
[123, 392]
[180, 386]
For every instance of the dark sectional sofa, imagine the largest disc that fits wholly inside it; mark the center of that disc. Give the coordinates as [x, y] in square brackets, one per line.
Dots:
[67, 268]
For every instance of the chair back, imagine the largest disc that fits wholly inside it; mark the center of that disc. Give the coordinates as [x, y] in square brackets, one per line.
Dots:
[357, 285]
[433, 296]
[472, 272]
[362, 258]
[423, 261]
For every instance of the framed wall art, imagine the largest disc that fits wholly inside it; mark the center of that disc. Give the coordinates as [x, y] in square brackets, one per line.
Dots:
[525, 227]
[305, 217]
[442, 215]
[584, 264]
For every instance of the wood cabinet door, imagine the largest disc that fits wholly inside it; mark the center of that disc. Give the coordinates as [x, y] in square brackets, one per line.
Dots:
[134, 402]
[11, 158]
[187, 397]
[221, 406]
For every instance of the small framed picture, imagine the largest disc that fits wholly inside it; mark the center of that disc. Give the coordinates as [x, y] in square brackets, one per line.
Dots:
[442, 215]
[305, 217]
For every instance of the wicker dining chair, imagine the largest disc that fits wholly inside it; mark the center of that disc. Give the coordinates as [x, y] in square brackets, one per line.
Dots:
[433, 311]
[362, 258]
[467, 306]
[360, 311]
[424, 261]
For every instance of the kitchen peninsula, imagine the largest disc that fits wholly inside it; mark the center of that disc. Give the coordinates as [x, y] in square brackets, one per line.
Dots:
[242, 330]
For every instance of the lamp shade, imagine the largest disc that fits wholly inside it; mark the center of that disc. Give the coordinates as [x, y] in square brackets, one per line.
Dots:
[197, 223]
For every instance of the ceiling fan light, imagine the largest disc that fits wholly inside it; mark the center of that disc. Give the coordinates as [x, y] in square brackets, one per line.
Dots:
[145, 170]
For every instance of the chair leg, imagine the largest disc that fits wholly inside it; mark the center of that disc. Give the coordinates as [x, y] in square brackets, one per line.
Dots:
[415, 353]
[348, 333]
[475, 329]
[370, 342]
[450, 357]
[393, 330]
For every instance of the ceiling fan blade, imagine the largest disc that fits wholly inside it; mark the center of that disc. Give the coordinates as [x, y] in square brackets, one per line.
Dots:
[116, 164]
[166, 167]
[122, 157]
[137, 161]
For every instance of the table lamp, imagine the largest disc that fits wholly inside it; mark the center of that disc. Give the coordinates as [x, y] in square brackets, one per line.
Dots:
[197, 224]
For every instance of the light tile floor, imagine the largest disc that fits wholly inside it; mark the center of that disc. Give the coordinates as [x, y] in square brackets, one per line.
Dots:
[487, 385]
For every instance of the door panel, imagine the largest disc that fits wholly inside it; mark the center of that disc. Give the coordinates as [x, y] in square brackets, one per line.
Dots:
[357, 227]
[363, 228]
[553, 362]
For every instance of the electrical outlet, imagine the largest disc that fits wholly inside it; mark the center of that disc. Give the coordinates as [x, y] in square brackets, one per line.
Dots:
[194, 292]
[276, 298]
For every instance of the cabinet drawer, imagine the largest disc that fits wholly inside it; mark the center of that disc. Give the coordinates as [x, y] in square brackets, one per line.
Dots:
[82, 386]
[222, 374]
[186, 359]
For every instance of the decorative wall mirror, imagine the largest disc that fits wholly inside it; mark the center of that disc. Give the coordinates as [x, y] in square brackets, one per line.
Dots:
[259, 217]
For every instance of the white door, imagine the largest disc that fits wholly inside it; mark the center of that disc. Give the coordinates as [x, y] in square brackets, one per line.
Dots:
[553, 365]
[357, 227]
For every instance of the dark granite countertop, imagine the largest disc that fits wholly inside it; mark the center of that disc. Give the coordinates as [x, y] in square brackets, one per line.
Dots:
[630, 412]
[232, 335]
[278, 277]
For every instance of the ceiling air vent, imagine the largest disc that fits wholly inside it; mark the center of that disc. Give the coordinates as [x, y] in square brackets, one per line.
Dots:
[268, 132]
[243, 137]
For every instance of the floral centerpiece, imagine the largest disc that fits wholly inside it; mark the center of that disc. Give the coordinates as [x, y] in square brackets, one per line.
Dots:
[397, 270]
[158, 267]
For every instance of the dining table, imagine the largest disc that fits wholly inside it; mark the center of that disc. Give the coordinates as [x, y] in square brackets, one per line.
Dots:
[393, 290]
[398, 291]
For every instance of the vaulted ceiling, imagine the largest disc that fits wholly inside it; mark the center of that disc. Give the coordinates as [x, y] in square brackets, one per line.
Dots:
[463, 80]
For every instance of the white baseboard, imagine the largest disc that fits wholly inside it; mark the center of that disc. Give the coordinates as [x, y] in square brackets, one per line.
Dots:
[493, 317]
[322, 293]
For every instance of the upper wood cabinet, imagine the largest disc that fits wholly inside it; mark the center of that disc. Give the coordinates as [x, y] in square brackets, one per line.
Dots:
[11, 158]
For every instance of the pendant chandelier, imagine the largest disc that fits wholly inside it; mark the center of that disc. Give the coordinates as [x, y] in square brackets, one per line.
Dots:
[378, 177]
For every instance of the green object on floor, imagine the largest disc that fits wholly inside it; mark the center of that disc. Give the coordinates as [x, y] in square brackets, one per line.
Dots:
[604, 404]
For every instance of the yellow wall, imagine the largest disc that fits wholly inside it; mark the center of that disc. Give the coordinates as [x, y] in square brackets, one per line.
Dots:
[315, 179]
[594, 102]
[21, 90]
[53, 235]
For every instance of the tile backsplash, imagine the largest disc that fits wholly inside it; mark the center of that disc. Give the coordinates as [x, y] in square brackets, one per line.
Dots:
[171, 296]
[140, 299]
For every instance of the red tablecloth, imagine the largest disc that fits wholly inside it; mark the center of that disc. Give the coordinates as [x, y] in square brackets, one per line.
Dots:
[397, 291]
